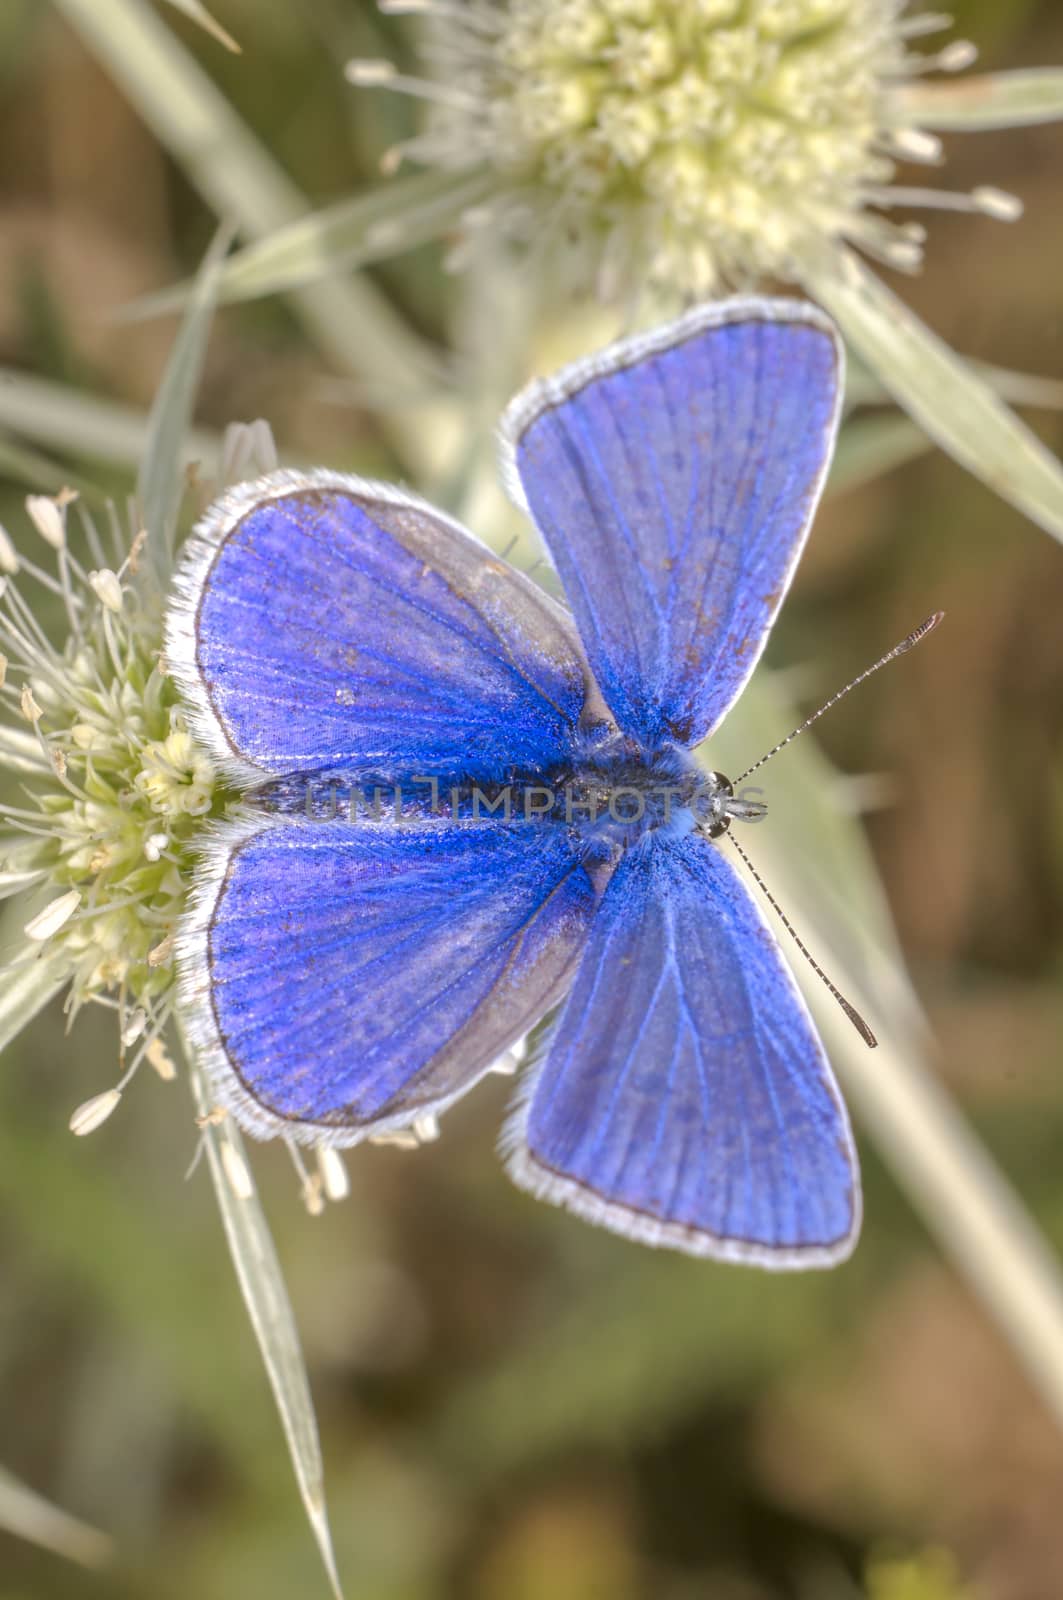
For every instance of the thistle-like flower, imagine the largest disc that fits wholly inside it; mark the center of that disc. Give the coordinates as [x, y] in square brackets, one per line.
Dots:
[686, 147]
[99, 842]
[700, 143]
[113, 789]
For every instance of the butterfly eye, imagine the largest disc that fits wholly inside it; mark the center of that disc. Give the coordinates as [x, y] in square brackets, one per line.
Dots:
[718, 820]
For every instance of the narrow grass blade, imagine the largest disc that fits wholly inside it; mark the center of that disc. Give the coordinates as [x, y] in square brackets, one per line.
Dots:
[26, 466]
[262, 1285]
[24, 991]
[62, 419]
[994, 100]
[395, 216]
[862, 387]
[29, 1516]
[869, 446]
[350, 320]
[200, 14]
[942, 392]
[160, 483]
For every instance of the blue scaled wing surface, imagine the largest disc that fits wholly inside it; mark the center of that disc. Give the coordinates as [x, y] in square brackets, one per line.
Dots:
[685, 1099]
[343, 980]
[674, 479]
[322, 621]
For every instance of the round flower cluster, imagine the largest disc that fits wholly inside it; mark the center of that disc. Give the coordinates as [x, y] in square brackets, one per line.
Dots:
[113, 787]
[711, 142]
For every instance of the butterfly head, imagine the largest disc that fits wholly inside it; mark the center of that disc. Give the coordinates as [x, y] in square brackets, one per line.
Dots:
[720, 806]
[615, 794]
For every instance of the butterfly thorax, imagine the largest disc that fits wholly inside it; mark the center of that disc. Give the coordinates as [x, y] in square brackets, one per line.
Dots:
[616, 793]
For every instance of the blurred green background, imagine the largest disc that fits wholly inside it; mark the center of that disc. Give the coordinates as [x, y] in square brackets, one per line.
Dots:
[512, 1405]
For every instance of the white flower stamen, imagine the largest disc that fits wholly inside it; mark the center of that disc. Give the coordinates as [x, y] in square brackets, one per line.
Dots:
[986, 201]
[397, 1139]
[134, 1027]
[161, 953]
[914, 144]
[158, 1058]
[29, 707]
[927, 22]
[92, 1113]
[334, 1179]
[370, 74]
[107, 589]
[997, 203]
[48, 922]
[47, 517]
[381, 74]
[8, 553]
[313, 1195]
[957, 56]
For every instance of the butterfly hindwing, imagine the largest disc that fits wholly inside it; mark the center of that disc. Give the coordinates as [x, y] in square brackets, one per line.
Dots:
[674, 479]
[342, 980]
[685, 1099]
[322, 621]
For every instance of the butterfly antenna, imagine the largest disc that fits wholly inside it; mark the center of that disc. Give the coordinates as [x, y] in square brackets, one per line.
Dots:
[850, 1010]
[898, 650]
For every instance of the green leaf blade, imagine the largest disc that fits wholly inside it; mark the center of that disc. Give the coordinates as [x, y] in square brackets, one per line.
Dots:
[160, 484]
[957, 408]
[991, 100]
[265, 1295]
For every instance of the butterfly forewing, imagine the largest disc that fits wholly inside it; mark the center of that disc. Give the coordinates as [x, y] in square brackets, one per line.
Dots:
[323, 622]
[674, 479]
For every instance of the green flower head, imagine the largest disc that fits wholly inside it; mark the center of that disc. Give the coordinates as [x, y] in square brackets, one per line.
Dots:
[654, 151]
[699, 143]
[113, 788]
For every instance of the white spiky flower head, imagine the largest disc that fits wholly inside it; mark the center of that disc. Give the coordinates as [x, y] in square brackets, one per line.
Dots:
[98, 841]
[667, 150]
[112, 789]
[703, 143]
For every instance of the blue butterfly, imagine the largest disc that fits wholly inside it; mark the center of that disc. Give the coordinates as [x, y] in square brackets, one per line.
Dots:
[546, 838]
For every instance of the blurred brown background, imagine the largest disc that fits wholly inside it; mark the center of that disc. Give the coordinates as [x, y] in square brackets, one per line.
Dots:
[514, 1406]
